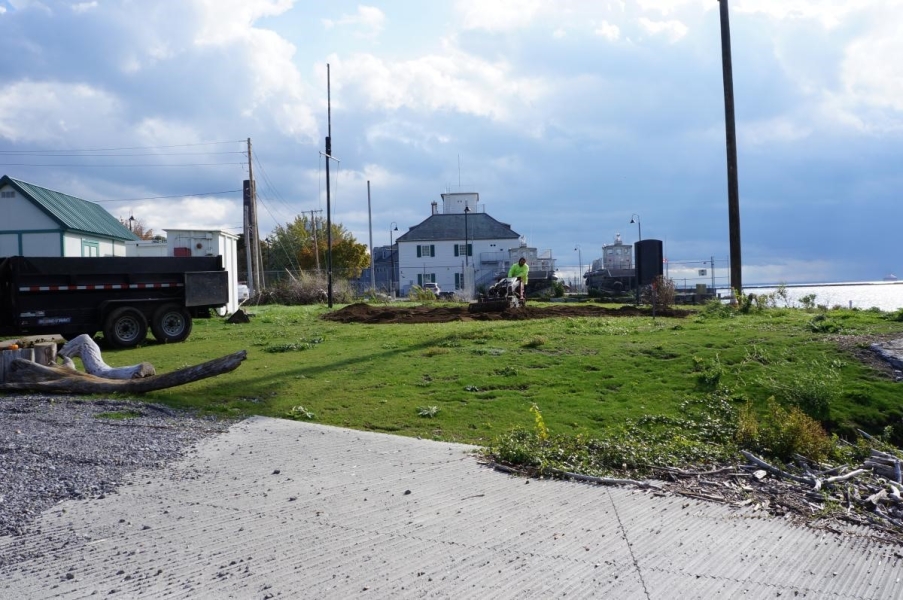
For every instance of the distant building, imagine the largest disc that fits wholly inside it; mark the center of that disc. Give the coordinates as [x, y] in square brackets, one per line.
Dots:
[382, 260]
[614, 272]
[442, 251]
[36, 221]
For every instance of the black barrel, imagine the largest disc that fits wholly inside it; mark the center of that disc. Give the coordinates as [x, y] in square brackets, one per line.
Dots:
[648, 258]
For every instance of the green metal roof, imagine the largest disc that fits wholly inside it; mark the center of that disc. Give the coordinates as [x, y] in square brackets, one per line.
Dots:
[73, 214]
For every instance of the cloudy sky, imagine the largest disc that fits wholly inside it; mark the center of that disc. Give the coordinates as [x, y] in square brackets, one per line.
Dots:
[567, 116]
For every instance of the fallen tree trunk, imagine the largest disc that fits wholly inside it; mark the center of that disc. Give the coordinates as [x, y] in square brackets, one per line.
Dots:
[28, 376]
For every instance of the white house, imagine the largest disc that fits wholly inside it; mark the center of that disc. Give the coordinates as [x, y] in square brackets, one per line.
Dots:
[36, 221]
[460, 248]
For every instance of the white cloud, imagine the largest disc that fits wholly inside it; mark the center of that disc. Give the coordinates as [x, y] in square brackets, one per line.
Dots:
[160, 132]
[777, 130]
[83, 7]
[610, 32]
[673, 31]
[51, 111]
[405, 132]
[190, 213]
[829, 13]
[227, 20]
[371, 19]
[455, 81]
[871, 70]
[2, 10]
[26, 4]
[498, 15]
[668, 7]
[279, 90]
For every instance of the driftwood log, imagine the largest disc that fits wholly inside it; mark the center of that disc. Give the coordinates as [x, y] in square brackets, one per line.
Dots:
[29, 376]
[87, 349]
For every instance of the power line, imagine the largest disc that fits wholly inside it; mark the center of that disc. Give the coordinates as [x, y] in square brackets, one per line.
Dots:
[135, 147]
[55, 155]
[143, 166]
[199, 195]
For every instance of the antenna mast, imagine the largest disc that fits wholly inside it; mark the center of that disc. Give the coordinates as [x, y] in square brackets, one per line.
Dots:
[328, 198]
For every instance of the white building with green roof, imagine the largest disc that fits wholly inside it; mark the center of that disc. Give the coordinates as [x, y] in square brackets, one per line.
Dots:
[36, 221]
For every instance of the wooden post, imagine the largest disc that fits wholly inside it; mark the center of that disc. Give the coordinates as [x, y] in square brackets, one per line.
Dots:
[43, 354]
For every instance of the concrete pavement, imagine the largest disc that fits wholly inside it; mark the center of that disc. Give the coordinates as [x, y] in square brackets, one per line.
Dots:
[281, 509]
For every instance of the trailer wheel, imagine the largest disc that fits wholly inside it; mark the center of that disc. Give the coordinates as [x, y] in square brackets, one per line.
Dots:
[171, 323]
[125, 327]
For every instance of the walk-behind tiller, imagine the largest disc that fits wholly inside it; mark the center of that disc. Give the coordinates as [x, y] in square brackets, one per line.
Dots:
[503, 294]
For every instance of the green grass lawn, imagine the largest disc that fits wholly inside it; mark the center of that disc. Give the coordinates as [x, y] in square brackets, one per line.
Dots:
[478, 380]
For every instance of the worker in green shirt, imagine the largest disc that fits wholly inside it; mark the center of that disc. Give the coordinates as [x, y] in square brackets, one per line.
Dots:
[520, 269]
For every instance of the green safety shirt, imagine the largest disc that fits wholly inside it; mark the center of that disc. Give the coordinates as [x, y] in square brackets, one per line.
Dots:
[519, 271]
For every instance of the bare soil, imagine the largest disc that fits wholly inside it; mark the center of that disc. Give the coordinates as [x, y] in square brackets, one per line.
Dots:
[365, 313]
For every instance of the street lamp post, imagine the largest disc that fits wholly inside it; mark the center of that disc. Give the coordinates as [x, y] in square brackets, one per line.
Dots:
[638, 226]
[393, 226]
[635, 218]
[580, 263]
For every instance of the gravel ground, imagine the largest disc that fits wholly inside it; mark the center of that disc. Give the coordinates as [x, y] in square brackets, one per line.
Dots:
[55, 448]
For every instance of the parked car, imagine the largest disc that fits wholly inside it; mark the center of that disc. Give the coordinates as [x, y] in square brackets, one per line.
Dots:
[242, 292]
[432, 287]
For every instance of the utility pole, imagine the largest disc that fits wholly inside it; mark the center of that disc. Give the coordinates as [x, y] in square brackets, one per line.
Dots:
[247, 229]
[733, 185]
[253, 245]
[313, 226]
[372, 257]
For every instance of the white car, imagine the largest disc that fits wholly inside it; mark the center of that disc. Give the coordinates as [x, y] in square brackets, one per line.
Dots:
[242, 292]
[432, 287]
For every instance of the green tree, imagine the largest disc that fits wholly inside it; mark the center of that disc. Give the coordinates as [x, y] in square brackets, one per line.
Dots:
[301, 245]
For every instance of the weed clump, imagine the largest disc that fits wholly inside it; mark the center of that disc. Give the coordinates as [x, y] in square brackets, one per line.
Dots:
[783, 433]
[812, 389]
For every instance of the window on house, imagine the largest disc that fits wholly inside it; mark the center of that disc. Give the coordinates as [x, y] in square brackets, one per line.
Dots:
[425, 278]
[461, 249]
[9, 194]
[426, 250]
[90, 249]
[459, 281]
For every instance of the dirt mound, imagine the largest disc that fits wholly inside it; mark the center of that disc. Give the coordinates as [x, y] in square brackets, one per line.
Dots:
[365, 313]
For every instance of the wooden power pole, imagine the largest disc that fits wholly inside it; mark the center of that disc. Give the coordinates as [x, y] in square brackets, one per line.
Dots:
[252, 241]
[733, 184]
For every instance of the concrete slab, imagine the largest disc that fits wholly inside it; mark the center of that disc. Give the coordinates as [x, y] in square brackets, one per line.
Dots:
[279, 509]
[891, 351]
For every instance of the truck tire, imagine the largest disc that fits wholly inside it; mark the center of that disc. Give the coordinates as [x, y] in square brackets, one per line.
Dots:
[125, 327]
[171, 323]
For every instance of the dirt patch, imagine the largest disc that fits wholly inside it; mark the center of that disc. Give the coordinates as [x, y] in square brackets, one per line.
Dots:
[365, 313]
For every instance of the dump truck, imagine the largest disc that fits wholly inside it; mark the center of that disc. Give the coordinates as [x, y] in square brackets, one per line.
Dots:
[119, 296]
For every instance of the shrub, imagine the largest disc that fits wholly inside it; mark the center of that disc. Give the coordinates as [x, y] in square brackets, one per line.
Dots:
[822, 324]
[784, 433]
[661, 292]
[305, 288]
[708, 373]
[418, 294]
[716, 309]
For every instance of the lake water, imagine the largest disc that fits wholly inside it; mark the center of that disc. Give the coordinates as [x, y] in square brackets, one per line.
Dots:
[886, 295]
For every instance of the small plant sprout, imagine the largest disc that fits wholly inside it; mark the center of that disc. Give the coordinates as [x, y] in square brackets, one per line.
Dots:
[427, 412]
[542, 432]
[298, 413]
